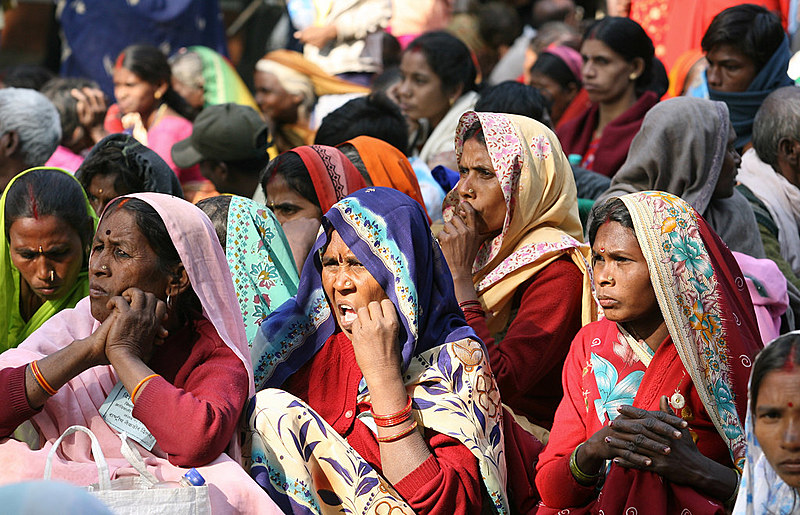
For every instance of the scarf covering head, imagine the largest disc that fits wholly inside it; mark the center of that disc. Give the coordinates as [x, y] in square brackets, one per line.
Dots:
[389, 234]
[761, 489]
[145, 165]
[221, 83]
[686, 160]
[333, 175]
[299, 76]
[541, 205]
[680, 71]
[706, 307]
[387, 166]
[444, 364]
[12, 327]
[260, 261]
[744, 105]
[202, 256]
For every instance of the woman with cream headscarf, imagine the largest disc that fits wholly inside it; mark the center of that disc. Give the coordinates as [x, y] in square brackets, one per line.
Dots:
[287, 87]
[513, 242]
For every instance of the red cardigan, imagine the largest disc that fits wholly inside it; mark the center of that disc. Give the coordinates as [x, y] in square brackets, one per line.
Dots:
[448, 482]
[527, 362]
[577, 134]
[192, 409]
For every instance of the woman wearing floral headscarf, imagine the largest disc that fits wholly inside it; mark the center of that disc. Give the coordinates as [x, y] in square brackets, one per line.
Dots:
[656, 392]
[512, 239]
[392, 403]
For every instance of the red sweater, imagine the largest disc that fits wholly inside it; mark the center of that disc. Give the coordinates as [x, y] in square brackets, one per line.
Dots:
[527, 363]
[448, 482]
[192, 409]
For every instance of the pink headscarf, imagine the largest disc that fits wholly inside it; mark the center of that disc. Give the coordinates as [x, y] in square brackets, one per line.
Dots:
[78, 401]
[571, 58]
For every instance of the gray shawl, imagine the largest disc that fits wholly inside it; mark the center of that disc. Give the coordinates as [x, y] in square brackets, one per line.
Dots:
[680, 149]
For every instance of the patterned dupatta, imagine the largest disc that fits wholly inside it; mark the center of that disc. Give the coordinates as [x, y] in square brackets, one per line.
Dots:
[706, 306]
[445, 366]
[333, 175]
[541, 204]
[261, 263]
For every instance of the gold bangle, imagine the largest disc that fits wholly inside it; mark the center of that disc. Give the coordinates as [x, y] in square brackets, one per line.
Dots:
[580, 476]
[397, 436]
[138, 386]
[37, 374]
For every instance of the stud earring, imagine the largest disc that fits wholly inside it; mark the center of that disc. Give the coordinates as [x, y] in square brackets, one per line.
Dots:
[633, 76]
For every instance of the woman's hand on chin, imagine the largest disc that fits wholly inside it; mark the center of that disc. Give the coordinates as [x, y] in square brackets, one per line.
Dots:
[139, 319]
[374, 337]
[460, 240]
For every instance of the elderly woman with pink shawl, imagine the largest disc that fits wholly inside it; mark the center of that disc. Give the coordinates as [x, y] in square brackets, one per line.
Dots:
[157, 350]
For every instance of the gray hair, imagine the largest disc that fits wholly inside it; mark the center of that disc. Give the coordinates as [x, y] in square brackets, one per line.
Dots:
[35, 120]
[777, 118]
[187, 67]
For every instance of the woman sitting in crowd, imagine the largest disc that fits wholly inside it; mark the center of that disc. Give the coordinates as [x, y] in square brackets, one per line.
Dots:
[512, 240]
[618, 62]
[287, 87]
[258, 255]
[162, 322]
[696, 161]
[203, 77]
[770, 482]
[437, 87]
[119, 165]
[748, 56]
[658, 386]
[149, 109]
[301, 185]
[47, 228]
[381, 164]
[557, 74]
[391, 398]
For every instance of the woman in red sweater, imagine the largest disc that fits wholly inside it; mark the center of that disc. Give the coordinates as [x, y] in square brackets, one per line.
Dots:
[655, 393]
[157, 351]
[617, 64]
[390, 403]
[512, 240]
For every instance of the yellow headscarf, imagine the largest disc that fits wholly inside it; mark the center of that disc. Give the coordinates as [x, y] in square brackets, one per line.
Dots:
[541, 203]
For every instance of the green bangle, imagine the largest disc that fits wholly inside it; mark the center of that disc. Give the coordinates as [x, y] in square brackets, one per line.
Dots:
[580, 476]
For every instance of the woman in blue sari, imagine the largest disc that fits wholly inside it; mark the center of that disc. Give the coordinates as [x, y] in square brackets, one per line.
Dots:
[391, 400]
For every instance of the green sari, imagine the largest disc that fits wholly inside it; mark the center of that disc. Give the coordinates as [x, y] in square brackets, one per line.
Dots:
[13, 329]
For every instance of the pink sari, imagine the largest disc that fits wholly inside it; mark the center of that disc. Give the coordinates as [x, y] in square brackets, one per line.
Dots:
[78, 402]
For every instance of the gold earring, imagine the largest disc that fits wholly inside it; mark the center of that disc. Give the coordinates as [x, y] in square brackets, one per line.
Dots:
[633, 76]
[158, 95]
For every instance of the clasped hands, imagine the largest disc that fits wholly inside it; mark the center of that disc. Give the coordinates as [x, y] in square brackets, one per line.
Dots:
[656, 441]
[136, 324]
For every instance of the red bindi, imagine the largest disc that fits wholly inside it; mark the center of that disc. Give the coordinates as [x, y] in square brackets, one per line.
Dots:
[790, 404]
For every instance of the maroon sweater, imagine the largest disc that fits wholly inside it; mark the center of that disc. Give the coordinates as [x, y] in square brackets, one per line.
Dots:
[448, 482]
[192, 409]
[527, 363]
[577, 134]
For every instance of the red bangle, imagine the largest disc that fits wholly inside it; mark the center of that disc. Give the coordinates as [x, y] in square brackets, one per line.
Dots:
[385, 419]
[396, 421]
[37, 374]
[470, 303]
[397, 436]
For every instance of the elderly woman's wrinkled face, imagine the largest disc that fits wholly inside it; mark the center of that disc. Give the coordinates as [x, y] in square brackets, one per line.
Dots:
[275, 102]
[479, 187]
[102, 190]
[122, 258]
[777, 423]
[729, 69]
[347, 283]
[621, 277]
[420, 92]
[134, 94]
[48, 254]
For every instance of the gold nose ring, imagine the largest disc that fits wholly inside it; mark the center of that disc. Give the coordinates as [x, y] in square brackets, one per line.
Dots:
[471, 191]
[52, 275]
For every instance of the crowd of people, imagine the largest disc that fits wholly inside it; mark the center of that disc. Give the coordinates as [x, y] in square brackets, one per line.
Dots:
[386, 279]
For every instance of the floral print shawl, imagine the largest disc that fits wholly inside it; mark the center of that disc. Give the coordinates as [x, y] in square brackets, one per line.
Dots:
[541, 205]
[445, 366]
